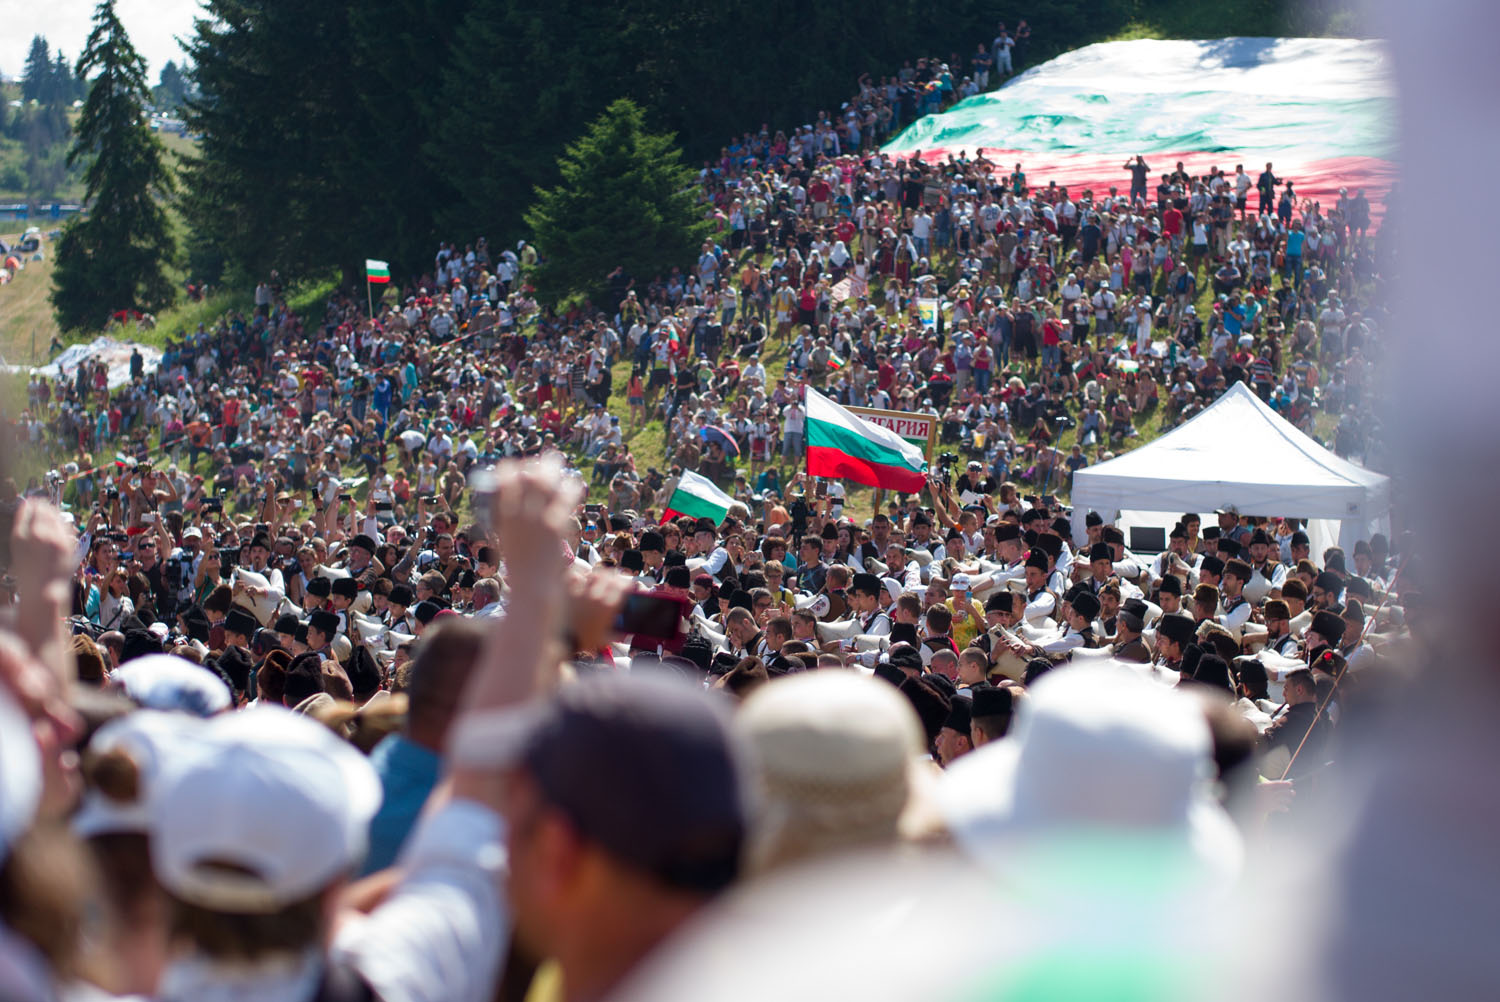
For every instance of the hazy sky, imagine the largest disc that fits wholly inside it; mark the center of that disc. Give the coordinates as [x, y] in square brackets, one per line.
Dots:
[153, 26]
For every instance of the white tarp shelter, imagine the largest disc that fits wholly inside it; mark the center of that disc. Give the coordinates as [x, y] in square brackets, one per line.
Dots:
[1238, 452]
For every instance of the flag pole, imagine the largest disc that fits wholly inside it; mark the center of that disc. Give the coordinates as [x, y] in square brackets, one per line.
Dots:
[369, 295]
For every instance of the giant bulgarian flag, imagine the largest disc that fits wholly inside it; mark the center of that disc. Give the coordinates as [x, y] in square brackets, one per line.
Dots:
[847, 447]
[697, 497]
[1322, 110]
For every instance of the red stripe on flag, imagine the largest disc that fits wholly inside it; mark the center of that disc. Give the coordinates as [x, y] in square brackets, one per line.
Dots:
[825, 462]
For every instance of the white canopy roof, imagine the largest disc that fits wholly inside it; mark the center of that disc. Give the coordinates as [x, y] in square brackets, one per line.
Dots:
[1236, 452]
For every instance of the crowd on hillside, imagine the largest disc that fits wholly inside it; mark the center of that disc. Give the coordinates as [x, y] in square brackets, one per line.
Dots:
[367, 662]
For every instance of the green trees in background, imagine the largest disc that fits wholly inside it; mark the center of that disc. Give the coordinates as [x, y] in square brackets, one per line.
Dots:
[171, 89]
[274, 182]
[626, 198]
[115, 257]
[47, 78]
[335, 130]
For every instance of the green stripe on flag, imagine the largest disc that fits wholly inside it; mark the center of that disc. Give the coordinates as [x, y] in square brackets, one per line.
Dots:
[683, 503]
[827, 435]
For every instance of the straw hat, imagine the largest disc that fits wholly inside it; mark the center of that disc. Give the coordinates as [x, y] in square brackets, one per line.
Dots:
[836, 757]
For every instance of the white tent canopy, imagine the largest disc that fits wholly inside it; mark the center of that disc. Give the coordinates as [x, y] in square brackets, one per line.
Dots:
[1236, 452]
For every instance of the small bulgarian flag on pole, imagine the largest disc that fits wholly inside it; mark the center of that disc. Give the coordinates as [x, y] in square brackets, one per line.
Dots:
[697, 497]
[834, 362]
[377, 272]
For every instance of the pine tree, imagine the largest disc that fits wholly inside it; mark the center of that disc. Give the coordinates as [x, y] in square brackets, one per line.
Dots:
[171, 88]
[115, 257]
[280, 117]
[625, 198]
[64, 87]
[37, 76]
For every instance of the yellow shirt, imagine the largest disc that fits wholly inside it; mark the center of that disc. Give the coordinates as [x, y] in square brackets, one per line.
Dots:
[965, 629]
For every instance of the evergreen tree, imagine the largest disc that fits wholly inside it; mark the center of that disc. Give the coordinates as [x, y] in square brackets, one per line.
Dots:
[37, 77]
[280, 116]
[171, 88]
[399, 50]
[65, 88]
[625, 198]
[114, 258]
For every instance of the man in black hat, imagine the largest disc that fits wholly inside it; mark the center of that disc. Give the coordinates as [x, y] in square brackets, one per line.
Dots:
[1210, 570]
[239, 627]
[286, 629]
[1326, 590]
[1129, 625]
[1299, 548]
[991, 713]
[343, 591]
[194, 623]
[1080, 633]
[1012, 563]
[1101, 566]
[362, 562]
[397, 616]
[1169, 595]
[653, 557]
[1126, 564]
[953, 740]
[1041, 601]
[1177, 546]
[864, 601]
[1268, 575]
[1174, 633]
[1325, 633]
[322, 627]
[1279, 637]
[1236, 608]
[315, 595]
[257, 557]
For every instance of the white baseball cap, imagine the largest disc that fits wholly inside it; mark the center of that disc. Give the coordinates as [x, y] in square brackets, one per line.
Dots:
[149, 739]
[960, 582]
[192, 532]
[276, 796]
[20, 772]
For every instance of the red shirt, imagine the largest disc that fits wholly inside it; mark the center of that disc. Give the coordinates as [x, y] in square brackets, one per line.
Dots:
[1171, 221]
[885, 376]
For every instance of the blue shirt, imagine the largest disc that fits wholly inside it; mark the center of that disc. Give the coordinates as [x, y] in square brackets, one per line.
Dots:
[1294, 241]
[407, 772]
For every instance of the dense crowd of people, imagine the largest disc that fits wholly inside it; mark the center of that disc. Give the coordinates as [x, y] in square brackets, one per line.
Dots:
[365, 664]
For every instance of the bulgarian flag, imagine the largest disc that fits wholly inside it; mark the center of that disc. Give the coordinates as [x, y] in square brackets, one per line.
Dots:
[834, 362]
[697, 497]
[846, 447]
[377, 272]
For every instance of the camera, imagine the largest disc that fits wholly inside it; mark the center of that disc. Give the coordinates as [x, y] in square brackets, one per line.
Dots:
[346, 497]
[229, 558]
[112, 494]
[213, 504]
[946, 462]
[799, 513]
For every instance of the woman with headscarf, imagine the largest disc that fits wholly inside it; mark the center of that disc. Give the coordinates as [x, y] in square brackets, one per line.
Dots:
[839, 259]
